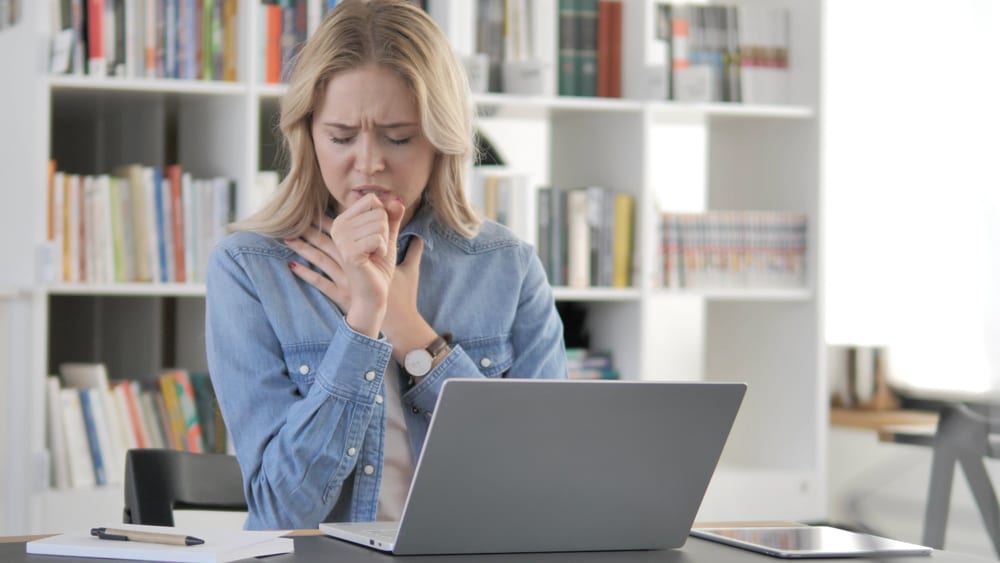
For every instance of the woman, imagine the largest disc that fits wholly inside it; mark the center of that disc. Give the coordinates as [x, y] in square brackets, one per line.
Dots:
[330, 312]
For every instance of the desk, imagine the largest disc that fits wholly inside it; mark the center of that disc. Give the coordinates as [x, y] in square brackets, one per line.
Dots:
[321, 549]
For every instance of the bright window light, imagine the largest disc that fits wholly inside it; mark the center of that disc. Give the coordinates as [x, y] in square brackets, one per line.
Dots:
[912, 187]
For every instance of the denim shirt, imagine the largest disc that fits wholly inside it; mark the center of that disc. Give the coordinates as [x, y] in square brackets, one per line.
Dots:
[301, 392]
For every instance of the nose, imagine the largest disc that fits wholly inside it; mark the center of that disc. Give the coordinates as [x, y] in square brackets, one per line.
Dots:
[369, 160]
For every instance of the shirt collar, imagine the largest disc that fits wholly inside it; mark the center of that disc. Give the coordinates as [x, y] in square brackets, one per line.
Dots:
[419, 226]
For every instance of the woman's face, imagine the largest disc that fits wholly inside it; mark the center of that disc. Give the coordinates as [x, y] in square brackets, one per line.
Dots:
[368, 139]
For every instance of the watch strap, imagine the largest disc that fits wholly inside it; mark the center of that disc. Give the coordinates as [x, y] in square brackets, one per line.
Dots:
[439, 344]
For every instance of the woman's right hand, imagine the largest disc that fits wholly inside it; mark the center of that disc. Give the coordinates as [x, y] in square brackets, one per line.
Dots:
[358, 258]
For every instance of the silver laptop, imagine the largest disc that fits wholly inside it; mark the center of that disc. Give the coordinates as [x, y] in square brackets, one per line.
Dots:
[541, 465]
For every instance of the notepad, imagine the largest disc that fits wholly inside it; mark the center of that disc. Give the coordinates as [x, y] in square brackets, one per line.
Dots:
[220, 545]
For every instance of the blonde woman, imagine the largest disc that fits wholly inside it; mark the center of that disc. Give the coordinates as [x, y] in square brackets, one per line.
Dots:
[336, 313]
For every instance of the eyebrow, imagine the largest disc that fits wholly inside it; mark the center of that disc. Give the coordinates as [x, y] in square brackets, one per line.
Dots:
[346, 127]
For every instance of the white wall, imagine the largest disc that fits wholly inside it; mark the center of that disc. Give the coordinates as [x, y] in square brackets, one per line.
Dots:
[911, 185]
[912, 201]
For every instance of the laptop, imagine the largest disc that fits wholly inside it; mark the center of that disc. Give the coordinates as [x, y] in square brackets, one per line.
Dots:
[522, 466]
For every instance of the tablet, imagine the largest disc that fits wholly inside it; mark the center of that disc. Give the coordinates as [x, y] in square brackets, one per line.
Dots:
[809, 541]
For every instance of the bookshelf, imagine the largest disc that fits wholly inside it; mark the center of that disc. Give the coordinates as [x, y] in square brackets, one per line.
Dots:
[670, 156]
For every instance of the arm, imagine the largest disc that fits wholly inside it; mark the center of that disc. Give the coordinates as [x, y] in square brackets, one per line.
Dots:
[536, 335]
[292, 448]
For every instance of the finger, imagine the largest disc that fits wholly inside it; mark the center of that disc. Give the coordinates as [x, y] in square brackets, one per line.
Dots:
[395, 209]
[320, 257]
[320, 238]
[333, 291]
[366, 203]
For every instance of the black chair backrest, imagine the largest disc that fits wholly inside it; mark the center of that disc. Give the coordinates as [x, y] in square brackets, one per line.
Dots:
[159, 480]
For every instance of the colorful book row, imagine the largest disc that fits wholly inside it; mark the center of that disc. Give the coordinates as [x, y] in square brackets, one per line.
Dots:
[186, 39]
[586, 236]
[741, 249]
[138, 224]
[93, 421]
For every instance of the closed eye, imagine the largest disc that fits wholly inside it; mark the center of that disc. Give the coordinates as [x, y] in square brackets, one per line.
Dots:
[400, 141]
[341, 140]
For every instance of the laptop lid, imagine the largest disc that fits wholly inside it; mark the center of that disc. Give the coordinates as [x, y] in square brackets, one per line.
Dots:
[549, 465]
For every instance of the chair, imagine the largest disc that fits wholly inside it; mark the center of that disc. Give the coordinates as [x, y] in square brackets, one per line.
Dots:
[963, 436]
[159, 480]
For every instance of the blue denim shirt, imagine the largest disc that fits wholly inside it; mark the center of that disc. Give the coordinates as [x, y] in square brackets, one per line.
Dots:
[300, 390]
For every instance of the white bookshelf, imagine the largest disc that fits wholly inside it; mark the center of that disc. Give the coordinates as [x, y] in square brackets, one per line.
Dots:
[680, 157]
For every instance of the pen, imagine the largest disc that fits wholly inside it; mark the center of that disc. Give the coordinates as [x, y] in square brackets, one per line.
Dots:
[148, 537]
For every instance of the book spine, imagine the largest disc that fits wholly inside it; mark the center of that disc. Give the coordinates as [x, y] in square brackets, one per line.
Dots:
[89, 410]
[567, 48]
[96, 61]
[586, 48]
[56, 434]
[81, 465]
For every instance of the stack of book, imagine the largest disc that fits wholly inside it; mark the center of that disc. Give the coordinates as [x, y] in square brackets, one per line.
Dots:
[188, 39]
[93, 420]
[138, 224]
[281, 32]
[590, 48]
[585, 236]
[589, 364]
[743, 249]
[502, 195]
[721, 53]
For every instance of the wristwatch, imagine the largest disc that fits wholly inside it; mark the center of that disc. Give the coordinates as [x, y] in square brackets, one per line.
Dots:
[419, 362]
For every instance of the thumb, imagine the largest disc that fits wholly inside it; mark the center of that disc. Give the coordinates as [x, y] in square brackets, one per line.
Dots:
[395, 210]
[414, 252]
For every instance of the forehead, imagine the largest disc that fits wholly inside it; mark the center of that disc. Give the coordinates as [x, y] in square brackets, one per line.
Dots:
[369, 92]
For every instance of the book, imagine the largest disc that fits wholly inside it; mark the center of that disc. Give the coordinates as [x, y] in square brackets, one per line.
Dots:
[97, 439]
[624, 221]
[81, 468]
[95, 376]
[219, 547]
[56, 434]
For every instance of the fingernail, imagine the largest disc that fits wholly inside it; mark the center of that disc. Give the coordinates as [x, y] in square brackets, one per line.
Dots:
[399, 199]
[292, 265]
[289, 240]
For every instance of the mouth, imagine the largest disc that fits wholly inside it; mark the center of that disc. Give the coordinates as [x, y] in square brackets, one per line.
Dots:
[379, 192]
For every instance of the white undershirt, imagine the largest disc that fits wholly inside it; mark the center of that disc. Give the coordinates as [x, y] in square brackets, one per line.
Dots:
[397, 466]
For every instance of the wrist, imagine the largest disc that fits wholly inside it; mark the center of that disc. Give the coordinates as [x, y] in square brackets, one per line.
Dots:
[418, 362]
[365, 320]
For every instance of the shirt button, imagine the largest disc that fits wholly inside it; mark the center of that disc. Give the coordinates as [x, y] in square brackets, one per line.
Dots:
[369, 470]
[486, 362]
[378, 399]
[415, 410]
[352, 452]
[370, 376]
[303, 369]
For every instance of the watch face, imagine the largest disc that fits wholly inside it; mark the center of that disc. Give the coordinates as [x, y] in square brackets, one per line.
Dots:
[417, 362]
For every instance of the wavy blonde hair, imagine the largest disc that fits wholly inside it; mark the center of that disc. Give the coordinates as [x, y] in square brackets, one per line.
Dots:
[398, 36]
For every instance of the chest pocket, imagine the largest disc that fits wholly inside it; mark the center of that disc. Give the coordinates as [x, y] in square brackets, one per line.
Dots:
[301, 362]
[492, 355]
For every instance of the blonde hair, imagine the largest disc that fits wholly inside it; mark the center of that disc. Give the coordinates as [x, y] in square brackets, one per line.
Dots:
[398, 36]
